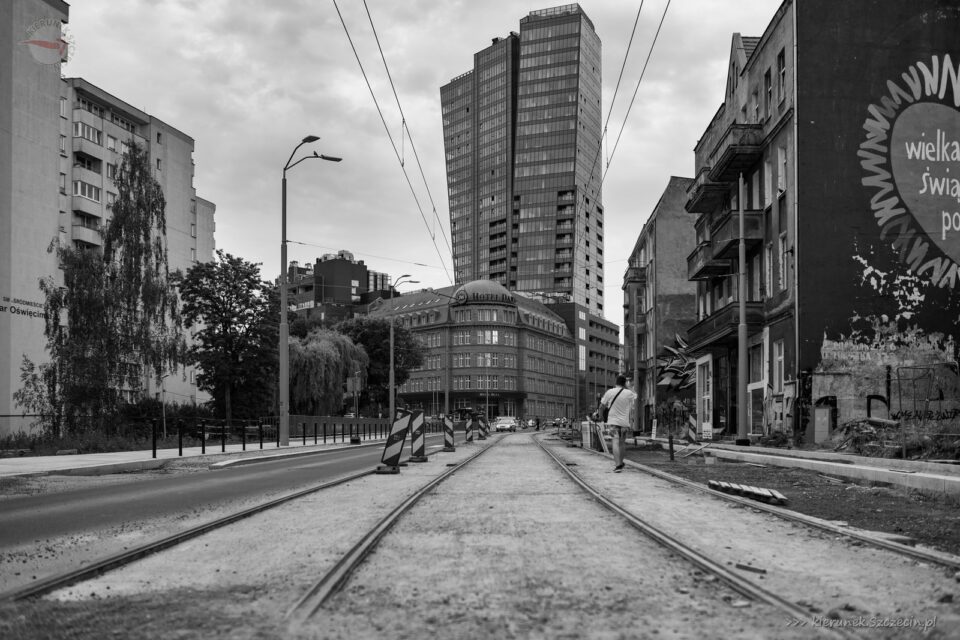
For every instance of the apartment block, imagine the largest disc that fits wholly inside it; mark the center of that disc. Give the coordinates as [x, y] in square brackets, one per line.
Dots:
[522, 142]
[61, 142]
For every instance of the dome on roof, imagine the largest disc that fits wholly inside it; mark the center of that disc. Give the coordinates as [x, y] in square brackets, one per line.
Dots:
[483, 291]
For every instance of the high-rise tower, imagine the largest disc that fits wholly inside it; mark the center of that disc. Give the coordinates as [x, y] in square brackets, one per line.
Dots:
[522, 141]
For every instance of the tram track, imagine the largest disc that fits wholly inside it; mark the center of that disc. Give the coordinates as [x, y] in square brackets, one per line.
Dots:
[332, 581]
[116, 561]
[342, 572]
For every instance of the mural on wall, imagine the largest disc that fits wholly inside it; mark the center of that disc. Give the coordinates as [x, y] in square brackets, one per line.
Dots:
[886, 214]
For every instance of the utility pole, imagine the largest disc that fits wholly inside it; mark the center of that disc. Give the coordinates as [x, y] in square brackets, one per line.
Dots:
[743, 437]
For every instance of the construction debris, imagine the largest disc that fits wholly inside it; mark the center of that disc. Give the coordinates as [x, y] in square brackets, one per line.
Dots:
[770, 496]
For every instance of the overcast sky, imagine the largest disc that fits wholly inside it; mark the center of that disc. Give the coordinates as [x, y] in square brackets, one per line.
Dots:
[248, 79]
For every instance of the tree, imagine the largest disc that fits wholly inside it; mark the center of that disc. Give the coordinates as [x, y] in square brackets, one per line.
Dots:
[232, 314]
[373, 334]
[116, 312]
[319, 365]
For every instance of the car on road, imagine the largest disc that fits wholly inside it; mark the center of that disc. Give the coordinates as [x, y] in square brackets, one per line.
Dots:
[505, 423]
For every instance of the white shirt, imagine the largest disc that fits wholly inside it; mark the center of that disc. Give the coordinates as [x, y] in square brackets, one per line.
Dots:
[621, 411]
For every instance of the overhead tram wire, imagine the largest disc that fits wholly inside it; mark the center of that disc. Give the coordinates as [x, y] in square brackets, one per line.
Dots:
[390, 136]
[368, 255]
[635, 90]
[407, 128]
[626, 54]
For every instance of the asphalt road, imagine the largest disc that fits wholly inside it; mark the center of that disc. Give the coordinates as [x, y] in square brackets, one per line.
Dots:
[29, 518]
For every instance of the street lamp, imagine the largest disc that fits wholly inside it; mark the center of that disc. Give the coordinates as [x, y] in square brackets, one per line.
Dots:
[393, 407]
[284, 348]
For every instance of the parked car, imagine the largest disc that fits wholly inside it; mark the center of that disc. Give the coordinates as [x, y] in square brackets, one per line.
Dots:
[505, 423]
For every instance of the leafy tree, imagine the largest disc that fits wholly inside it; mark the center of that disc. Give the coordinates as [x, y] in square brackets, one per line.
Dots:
[373, 334]
[319, 365]
[117, 311]
[302, 326]
[232, 315]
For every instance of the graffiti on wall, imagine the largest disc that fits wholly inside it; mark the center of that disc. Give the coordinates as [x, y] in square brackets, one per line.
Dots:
[912, 140]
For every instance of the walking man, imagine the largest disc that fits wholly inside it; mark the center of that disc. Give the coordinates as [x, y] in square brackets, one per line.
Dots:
[620, 403]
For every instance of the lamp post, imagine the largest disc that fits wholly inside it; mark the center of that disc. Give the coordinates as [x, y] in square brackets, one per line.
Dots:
[393, 406]
[284, 392]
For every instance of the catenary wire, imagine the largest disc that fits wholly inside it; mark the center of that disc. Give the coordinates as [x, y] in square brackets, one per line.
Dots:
[407, 128]
[390, 136]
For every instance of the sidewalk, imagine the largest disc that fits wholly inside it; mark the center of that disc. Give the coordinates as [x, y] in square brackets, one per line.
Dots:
[93, 464]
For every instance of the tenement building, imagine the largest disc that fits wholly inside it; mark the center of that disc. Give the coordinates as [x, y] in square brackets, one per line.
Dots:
[837, 141]
[659, 305]
[336, 287]
[61, 142]
[487, 350]
[522, 140]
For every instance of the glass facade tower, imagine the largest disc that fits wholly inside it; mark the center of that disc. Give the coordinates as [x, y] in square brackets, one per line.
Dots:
[522, 141]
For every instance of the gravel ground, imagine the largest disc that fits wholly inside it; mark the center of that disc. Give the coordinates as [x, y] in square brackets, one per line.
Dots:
[928, 520]
[507, 547]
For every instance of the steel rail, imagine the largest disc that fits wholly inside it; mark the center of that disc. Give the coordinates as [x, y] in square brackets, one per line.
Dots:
[736, 582]
[116, 561]
[336, 578]
[927, 555]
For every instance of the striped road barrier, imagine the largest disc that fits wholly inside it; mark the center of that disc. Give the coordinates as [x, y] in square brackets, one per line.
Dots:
[418, 440]
[395, 440]
[448, 435]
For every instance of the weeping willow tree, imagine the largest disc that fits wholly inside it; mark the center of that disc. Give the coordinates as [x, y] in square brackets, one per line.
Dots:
[319, 365]
[116, 314]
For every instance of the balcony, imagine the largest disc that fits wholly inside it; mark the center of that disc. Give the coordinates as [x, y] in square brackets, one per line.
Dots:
[719, 329]
[701, 265]
[705, 195]
[738, 149]
[87, 235]
[635, 275]
[86, 147]
[725, 233]
[86, 206]
[640, 323]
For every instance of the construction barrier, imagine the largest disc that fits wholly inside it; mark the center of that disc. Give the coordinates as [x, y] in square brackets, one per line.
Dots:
[483, 430]
[448, 435]
[418, 440]
[395, 440]
[470, 424]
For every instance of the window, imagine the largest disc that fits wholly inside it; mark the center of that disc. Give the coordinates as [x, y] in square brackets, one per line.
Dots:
[111, 143]
[63, 107]
[778, 366]
[782, 74]
[158, 164]
[83, 130]
[193, 230]
[86, 190]
[111, 199]
[767, 183]
[768, 90]
[159, 138]
[193, 254]
[112, 171]
[782, 262]
[768, 258]
[63, 183]
[781, 170]
[63, 145]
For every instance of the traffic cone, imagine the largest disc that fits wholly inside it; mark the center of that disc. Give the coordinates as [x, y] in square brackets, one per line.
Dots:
[418, 438]
[448, 435]
[394, 445]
